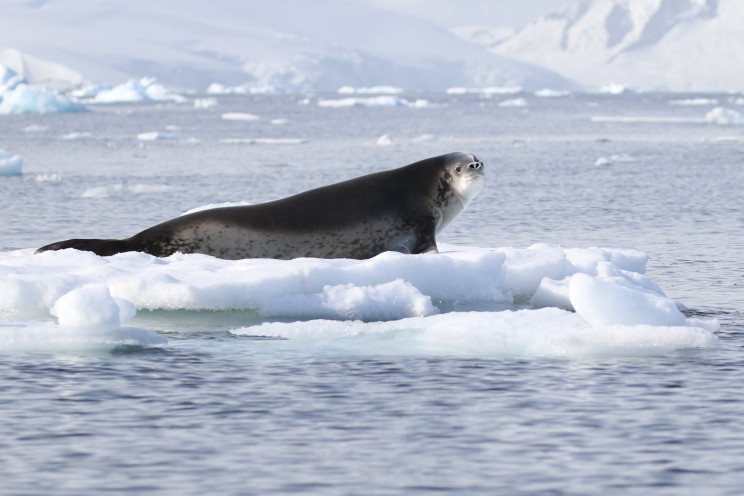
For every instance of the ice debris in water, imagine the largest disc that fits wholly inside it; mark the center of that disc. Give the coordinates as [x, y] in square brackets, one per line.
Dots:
[10, 165]
[206, 103]
[375, 101]
[24, 99]
[514, 102]
[88, 318]
[135, 90]
[544, 332]
[724, 117]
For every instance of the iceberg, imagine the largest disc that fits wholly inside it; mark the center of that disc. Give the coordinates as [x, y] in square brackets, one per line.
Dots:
[141, 90]
[10, 165]
[25, 99]
[725, 117]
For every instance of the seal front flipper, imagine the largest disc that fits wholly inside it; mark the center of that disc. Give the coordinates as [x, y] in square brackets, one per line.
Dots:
[425, 241]
[102, 247]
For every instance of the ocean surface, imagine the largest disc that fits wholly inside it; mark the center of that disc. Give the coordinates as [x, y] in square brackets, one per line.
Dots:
[220, 411]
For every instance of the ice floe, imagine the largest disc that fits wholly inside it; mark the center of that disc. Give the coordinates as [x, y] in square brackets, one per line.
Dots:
[544, 299]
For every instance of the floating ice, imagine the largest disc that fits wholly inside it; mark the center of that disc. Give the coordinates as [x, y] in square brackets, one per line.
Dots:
[614, 159]
[616, 89]
[493, 90]
[374, 90]
[145, 89]
[156, 136]
[376, 101]
[239, 116]
[206, 103]
[608, 302]
[88, 317]
[77, 136]
[10, 165]
[617, 307]
[246, 89]
[546, 332]
[90, 91]
[724, 117]
[691, 102]
[24, 99]
[514, 102]
[384, 140]
[548, 93]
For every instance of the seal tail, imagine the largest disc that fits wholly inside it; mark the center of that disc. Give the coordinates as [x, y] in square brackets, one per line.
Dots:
[102, 247]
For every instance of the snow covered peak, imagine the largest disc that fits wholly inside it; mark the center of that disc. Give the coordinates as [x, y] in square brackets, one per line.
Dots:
[650, 44]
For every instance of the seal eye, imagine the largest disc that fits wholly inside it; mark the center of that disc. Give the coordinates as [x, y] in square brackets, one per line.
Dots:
[458, 168]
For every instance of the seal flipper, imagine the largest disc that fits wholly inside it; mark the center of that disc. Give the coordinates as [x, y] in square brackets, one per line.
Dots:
[425, 241]
[102, 247]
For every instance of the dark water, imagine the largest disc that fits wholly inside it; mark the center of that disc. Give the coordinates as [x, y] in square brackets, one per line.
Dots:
[212, 413]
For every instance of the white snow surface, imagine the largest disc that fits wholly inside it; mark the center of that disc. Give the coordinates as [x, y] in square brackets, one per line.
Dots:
[461, 300]
[676, 45]
[289, 45]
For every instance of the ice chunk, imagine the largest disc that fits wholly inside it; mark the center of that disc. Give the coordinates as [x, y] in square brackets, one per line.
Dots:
[491, 90]
[77, 136]
[239, 116]
[92, 306]
[514, 102]
[10, 165]
[384, 140]
[607, 303]
[145, 89]
[24, 99]
[376, 101]
[546, 332]
[724, 117]
[206, 103]
[548, 93]
[156, 136]
[374, 90]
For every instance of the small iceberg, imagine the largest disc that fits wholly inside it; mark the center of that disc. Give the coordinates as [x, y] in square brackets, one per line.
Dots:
[25, 99]
[10, 165]
[725, 117]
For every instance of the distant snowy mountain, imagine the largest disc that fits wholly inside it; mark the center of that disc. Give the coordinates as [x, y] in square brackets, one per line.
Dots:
[285, 44]
[682, 45]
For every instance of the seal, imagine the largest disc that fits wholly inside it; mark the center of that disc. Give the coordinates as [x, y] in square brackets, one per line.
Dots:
[396, 210]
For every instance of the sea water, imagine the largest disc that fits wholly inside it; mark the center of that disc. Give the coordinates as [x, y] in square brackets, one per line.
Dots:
[230, 380]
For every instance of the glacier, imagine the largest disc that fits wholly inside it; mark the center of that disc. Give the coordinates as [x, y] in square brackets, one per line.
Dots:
[650, 45]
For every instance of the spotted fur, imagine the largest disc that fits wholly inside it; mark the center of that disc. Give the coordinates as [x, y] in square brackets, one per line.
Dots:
[401, 210]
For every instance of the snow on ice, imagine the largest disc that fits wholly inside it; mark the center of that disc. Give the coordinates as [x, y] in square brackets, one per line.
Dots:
[543, 300]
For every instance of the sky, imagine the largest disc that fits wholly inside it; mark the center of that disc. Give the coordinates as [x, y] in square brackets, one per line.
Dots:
[456, 13]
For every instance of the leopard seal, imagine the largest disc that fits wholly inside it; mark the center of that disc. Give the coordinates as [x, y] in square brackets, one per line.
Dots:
[401, 210]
